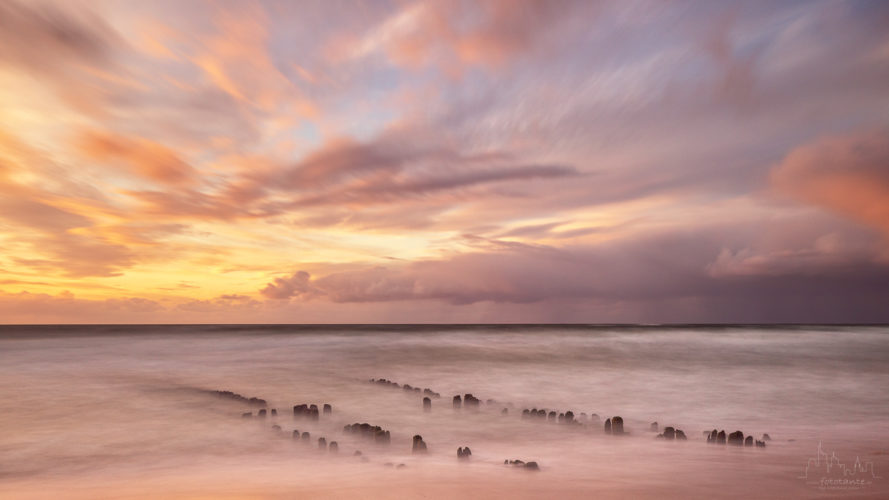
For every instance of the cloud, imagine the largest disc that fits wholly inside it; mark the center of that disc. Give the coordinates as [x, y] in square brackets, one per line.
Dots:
[830, 254]
[80, 255]
[296, 285]
[635, 274]
[189, 203]
[457, 34]
[410, 149]
[227, 303]
[236, 59]
[846, 174]
[534, 230]
[46, 37]
[59, 238]
[19, 206]
[133, 304]
[146, 158]
[402, 165]
[429, 184]
[453, 141]
[738, 75]
[29, 307]
[69, 54]
[145, 233]
[66, 307]
[345, 157]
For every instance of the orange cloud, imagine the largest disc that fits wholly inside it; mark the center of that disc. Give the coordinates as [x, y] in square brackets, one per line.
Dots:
[846, 174]
[237, 60]
[147, 158]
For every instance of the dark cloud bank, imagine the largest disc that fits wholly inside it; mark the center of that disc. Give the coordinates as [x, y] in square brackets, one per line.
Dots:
[671, 277]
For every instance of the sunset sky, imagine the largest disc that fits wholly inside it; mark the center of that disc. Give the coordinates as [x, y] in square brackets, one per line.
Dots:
[493, 161]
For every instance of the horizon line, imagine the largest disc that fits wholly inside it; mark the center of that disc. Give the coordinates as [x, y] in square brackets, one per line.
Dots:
[653, 325]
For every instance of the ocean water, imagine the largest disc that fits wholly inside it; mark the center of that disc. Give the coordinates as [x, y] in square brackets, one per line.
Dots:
[128, 411]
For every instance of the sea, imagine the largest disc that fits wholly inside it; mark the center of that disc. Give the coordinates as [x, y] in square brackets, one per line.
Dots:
[146, 411]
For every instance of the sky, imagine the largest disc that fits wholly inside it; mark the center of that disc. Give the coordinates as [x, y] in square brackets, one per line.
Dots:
[444, 161]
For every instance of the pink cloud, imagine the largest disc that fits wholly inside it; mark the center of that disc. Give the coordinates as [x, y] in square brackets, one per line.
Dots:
[228, 303]
[829, 254]
[47, 38]
[296, 285]
[457, 34]
[29, 307]
[846, 174]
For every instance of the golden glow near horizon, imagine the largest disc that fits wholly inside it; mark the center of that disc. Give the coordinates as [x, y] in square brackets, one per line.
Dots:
[432, 161]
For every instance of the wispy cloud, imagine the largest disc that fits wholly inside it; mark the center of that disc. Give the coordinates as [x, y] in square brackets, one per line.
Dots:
[452, 159]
